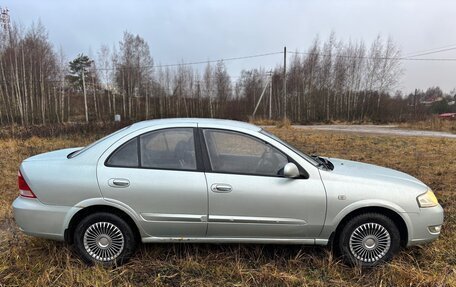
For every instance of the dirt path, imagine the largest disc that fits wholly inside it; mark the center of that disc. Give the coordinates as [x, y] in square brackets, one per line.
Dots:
[377, 129]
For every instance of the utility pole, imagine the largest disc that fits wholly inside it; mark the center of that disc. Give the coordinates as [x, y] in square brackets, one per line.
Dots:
[270, 94]
[284, 82]
[261, 97]
[85, 96]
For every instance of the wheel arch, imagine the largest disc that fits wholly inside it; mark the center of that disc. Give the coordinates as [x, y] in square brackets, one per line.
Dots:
[84, 212]
[392, 214]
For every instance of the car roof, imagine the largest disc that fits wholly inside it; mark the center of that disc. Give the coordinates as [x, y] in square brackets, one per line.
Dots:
[200, 121]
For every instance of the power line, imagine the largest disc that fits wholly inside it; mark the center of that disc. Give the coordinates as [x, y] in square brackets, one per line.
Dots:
[406, 58]
[377, 58]
[194, 63]
[433, 52]
[196, 79]
[414, 54]
[429, 59]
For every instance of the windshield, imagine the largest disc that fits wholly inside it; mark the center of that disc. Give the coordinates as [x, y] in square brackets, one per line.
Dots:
[78, 152]
[303, 155]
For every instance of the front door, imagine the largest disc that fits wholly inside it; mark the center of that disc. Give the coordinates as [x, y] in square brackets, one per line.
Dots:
[157, 175]
[248, 196]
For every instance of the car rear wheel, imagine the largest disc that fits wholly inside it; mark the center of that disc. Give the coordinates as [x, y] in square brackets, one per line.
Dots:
[368, 239]
[104, 238]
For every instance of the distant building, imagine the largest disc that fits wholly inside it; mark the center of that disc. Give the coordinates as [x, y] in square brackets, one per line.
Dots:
[449, 116]
[427, 101]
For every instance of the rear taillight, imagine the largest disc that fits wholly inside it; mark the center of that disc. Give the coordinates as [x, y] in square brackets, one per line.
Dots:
[24, 188]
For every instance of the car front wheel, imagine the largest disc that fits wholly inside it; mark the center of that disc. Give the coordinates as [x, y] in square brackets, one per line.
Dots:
[368, 239]
[104, 238]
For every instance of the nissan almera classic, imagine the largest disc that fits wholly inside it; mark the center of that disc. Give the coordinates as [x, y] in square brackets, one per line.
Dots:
[218, 181]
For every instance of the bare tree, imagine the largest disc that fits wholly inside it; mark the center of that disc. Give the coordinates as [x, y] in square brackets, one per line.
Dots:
[208, 87]
[222, 83]
[133, 69]
[332, 80]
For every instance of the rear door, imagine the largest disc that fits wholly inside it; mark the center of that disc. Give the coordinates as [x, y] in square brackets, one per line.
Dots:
[157, 174]
[248, 196]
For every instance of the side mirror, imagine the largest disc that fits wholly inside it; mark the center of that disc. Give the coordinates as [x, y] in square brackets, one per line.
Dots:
[291, 170]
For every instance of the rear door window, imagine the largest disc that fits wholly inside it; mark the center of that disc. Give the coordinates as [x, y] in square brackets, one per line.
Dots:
[169, 149]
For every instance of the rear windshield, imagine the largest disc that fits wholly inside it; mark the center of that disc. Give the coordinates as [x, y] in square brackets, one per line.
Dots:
[78, 152]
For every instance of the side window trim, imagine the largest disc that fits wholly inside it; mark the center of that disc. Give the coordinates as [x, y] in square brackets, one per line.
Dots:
[138, 142]
[200, 166]
[208, 166]
[205, 152]
[196, 141]
[113, 153]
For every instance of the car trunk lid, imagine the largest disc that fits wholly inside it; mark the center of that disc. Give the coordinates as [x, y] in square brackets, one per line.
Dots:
[53, 155]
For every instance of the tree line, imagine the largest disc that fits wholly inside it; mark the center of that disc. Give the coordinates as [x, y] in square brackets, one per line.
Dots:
[332, 80]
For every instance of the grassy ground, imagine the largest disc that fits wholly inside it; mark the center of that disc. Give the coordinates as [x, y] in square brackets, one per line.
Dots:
[434, 124]
[27, 261]
[431, 124]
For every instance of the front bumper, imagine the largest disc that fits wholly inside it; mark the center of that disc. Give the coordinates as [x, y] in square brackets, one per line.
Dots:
[38, 219]
[421, 222]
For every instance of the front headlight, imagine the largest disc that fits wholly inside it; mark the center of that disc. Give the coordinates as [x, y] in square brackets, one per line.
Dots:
[427, 199]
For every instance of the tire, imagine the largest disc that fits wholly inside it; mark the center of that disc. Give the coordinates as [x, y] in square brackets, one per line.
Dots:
[104, 238]
[368, 240]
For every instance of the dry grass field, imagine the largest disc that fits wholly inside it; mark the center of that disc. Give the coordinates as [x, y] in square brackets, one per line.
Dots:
[433, 124]
[27, 261]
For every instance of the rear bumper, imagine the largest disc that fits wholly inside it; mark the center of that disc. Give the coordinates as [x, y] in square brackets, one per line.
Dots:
[40, 220]
[421, 223]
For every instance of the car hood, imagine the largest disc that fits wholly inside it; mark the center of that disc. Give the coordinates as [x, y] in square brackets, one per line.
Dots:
[373, 172]
[53, 155]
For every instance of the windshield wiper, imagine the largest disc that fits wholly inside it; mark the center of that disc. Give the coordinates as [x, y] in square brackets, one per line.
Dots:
[323, 162]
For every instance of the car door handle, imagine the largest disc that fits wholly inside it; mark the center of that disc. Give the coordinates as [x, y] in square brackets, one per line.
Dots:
[221, 188]
[119, 182]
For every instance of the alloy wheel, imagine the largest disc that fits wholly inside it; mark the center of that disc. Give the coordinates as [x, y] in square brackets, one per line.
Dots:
[103, 241]
[370, 242]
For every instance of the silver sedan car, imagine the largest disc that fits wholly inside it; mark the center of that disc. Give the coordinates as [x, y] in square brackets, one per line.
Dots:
[218, 181]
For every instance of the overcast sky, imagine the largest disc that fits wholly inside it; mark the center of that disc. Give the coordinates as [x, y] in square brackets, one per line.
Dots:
[207, 30]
